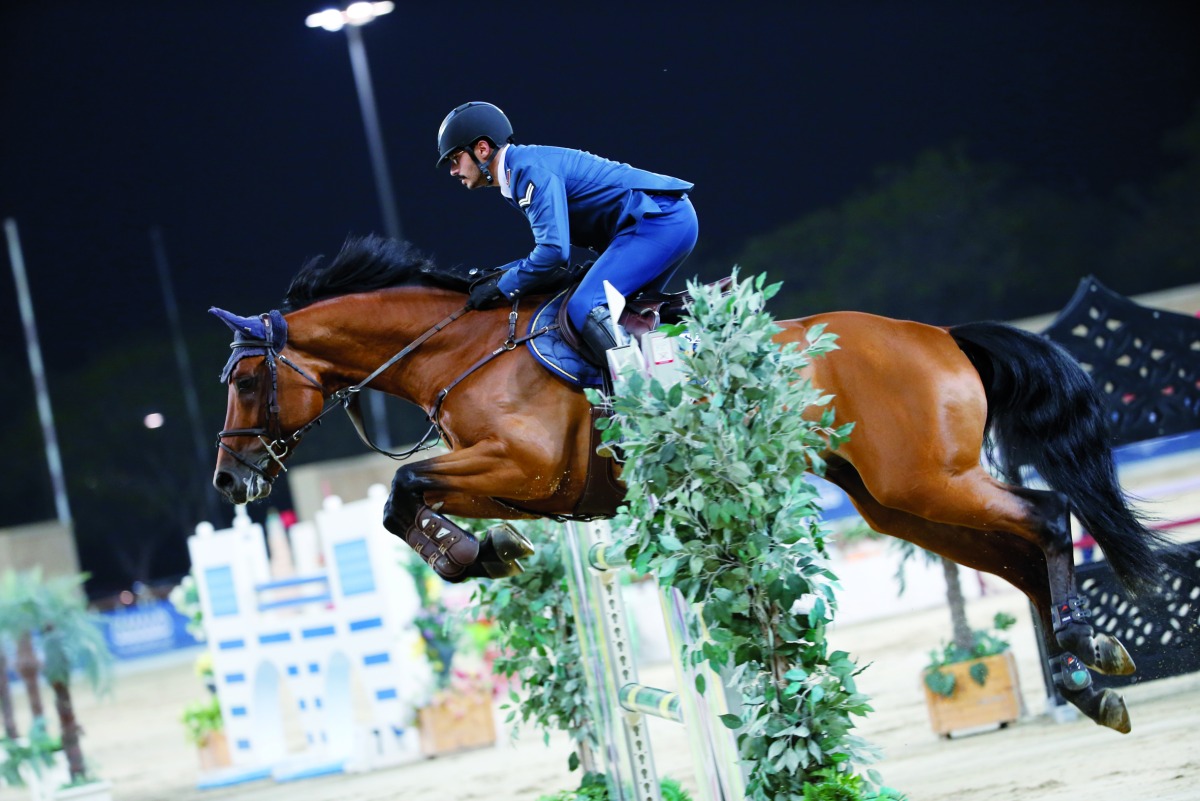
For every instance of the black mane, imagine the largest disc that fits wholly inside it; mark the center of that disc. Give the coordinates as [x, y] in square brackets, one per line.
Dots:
[365, 264]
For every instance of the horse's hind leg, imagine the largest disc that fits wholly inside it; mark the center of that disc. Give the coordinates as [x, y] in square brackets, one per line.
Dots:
[1068, 612]
[1031, 567]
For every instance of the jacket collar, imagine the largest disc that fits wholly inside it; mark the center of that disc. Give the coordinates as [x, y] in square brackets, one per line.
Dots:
[502, 173]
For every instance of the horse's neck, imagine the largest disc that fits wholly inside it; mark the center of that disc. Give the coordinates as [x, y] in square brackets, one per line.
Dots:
[354, 335]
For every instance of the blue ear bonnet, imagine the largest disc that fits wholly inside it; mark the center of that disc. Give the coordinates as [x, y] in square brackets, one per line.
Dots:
[250, 336]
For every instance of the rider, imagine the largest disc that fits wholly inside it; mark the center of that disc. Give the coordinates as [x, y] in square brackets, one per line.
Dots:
[641, 223]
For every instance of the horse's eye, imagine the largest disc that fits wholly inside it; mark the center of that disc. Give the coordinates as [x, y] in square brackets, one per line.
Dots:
[244, 384]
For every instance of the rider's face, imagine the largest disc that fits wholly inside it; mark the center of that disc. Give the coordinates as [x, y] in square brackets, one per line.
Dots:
[464, 168]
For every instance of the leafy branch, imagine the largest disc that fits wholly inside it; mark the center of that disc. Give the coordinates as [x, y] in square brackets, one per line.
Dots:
[718, 505]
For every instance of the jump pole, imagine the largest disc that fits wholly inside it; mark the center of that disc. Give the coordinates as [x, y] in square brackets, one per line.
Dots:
[619, 702]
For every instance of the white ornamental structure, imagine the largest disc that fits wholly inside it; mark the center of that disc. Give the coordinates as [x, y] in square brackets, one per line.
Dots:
[326, 638]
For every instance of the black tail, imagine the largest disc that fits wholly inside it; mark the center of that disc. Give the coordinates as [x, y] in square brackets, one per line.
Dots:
[1045, 411]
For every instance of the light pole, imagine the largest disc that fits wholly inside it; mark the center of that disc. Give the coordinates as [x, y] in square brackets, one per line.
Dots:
[351, 20]
[37, 369]
[184, 363]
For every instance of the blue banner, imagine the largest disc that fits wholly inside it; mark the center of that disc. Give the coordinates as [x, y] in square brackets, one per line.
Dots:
[145, 629]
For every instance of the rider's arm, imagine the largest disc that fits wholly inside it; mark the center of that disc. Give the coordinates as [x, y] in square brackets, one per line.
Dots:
[542, 197]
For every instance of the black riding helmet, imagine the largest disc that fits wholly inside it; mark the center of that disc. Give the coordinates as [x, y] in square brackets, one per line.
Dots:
[466, 125]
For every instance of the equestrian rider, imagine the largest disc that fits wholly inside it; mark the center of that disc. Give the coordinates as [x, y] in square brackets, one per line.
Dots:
[641, 223]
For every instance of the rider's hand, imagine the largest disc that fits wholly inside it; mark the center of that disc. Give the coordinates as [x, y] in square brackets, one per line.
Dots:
[486, 294]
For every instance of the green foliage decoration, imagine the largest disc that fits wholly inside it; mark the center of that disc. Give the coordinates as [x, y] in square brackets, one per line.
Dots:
[719, 506]
[36, 750]
[983, 643]
[185, 597]
[539, 645]
[202, 718]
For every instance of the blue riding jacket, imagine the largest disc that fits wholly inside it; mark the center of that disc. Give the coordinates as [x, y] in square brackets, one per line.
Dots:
[572, 197]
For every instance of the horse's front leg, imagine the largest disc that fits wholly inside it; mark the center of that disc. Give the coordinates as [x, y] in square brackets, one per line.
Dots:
[454, 553]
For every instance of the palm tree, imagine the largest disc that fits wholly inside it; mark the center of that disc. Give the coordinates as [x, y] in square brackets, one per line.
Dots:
[6, 635]
[960, 627]
[70, 639]
[18, 621]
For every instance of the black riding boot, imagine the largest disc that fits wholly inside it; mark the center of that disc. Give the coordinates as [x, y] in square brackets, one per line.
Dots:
[598, 336]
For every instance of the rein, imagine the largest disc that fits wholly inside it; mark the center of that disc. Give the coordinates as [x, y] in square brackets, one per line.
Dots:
[279, 446]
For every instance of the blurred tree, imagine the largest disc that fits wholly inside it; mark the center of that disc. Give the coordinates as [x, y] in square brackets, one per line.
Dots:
[1160, 234]
[944, 239]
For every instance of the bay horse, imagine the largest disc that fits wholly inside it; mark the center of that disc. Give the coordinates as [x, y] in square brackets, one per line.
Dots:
[923, 399]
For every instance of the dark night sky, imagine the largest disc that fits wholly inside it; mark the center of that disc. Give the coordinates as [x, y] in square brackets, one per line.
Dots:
[237, 130]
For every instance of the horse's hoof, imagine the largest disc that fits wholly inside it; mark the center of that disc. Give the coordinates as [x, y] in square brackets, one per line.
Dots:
[1111, 658]
[1113, 713]
[509, 543]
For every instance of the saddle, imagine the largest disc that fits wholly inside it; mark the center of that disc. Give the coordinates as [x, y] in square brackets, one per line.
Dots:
[643, 312]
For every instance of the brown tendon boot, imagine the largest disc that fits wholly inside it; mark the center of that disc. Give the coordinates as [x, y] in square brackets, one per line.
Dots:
[448, 549]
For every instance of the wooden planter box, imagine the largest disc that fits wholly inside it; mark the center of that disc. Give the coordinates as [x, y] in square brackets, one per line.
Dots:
[214, 751]
[997, 702]
[457, 723]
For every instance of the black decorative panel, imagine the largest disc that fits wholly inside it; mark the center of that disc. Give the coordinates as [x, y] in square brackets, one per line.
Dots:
[1162, 633]
[1145, 361]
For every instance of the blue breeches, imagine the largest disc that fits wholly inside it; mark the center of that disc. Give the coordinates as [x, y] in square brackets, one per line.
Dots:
[644, 256]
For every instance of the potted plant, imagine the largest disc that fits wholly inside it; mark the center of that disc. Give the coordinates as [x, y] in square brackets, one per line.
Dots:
[538, 651]
[206, 730]
[973, 686]
[8, 634]
[972, 682]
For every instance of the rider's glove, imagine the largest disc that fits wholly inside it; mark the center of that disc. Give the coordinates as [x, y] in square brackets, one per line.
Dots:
[486, 294]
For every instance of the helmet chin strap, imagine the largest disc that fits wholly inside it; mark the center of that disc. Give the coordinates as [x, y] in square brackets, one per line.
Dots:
[483, 165]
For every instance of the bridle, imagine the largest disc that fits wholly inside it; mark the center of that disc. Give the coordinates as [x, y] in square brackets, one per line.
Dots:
[278, 445]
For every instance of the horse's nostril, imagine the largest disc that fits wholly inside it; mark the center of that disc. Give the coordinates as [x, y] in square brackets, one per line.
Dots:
[223, 481]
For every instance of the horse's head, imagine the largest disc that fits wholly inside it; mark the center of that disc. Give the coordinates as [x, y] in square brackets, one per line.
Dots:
[260, 431]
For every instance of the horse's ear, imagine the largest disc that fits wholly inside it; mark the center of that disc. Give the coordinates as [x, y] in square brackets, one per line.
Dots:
[239, 325]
